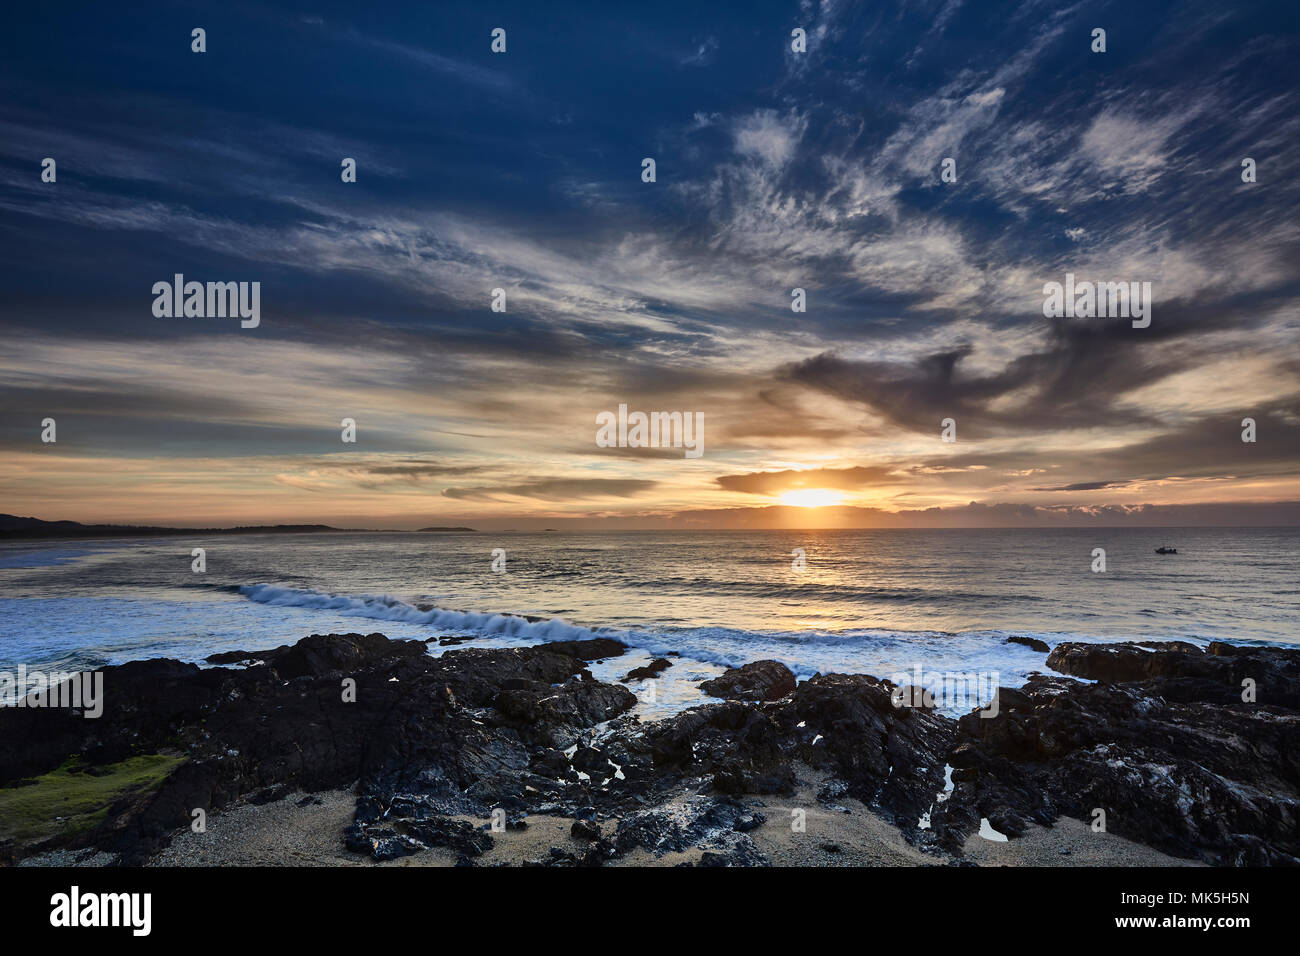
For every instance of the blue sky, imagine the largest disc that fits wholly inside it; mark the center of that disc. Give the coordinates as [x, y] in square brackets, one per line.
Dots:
[775, 170]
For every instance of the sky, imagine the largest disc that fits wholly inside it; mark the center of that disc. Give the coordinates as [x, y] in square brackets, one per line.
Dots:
[775, 170]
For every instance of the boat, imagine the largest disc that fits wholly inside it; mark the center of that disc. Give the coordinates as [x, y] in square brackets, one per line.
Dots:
[1166, 550]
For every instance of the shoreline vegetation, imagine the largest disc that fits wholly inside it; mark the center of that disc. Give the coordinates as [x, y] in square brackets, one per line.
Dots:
[357, 749]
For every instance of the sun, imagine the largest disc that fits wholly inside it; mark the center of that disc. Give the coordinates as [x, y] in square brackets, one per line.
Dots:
[810, 497]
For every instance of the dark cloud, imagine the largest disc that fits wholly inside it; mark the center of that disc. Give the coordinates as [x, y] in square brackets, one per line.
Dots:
[557, 489]
[775, 482]
[1085, 486]
[1209, 447]
[1075, 381]
[422, 470]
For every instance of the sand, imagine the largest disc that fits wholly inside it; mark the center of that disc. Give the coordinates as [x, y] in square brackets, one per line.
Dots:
[285, 834]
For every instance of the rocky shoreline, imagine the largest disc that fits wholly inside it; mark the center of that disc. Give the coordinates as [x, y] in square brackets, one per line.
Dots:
[1191, 752]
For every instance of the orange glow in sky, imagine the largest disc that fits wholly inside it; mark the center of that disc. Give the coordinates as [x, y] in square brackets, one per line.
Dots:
[811, 497]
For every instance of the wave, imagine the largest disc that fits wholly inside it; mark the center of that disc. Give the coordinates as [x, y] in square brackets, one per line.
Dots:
[384, 608]
[805, 652]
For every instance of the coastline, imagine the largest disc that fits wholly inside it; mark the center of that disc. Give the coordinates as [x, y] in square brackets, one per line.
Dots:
[522, 757]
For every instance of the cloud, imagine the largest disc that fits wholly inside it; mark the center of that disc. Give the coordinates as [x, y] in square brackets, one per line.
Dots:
[703, 52]
[775, 482]
[1131, 151]
[769, 136]
[557, 489]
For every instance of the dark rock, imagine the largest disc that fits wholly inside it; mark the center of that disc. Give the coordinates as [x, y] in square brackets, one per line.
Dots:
[1007, 821]
[551, 763]
[457, 834]
[585, 830]
[380, 843]
[656, 666]
[330, 653]
[759, 681]
[889, 757]
[591, 761]
[1032, 643]
[1179, 671]
[741, 853]
[594, 649]
[1200, 774]
[416, 727]
[700, 822]
[233, 657]
[1164, 743]
[554, 715]
[909, 695]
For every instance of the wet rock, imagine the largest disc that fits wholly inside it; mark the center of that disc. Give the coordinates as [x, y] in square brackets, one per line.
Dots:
[551, 762]
[759, 681]
[417, 726]
[591, 761]
[656, 666]
[1199, 774]
[1032, 643]
[1184, 672]
[233, 657]
[889, 757]
[554, 715]
[379, 843]
[325, 653]
[698, 822]
[594, 649]
[741, 853]
[461, 836]
[1164, 742]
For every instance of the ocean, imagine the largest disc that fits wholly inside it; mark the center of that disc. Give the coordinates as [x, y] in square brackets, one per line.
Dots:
[881, 602]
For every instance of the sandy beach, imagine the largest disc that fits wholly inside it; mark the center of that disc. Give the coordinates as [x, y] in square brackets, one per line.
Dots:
[286, 834]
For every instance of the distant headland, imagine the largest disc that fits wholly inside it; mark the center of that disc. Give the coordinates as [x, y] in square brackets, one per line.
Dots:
[14, 527]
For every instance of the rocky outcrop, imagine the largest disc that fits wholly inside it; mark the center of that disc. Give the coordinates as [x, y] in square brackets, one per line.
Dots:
[1177, 670]
[324, 654]
[761, 680]
[1163, 750]
[1033, 643]
[1194, 752]
[411, 724]
[653, 669]
[888, 756]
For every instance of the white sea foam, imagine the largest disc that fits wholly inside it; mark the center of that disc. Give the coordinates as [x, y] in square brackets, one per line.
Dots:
[806, 653]
[877, 603]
